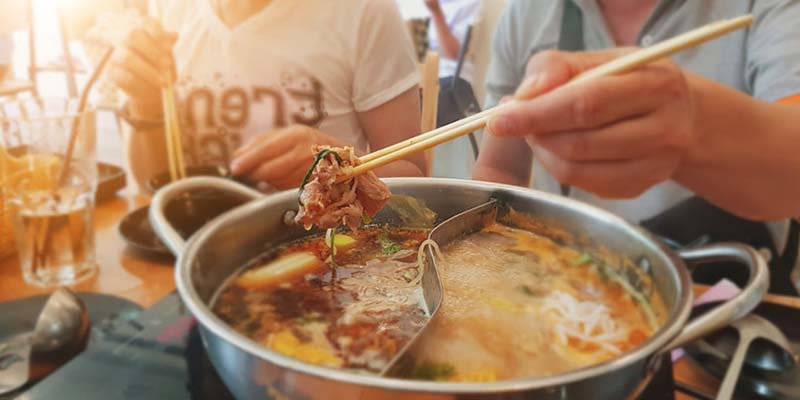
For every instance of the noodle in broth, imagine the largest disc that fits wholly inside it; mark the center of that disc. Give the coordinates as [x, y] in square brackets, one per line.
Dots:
[518, 305]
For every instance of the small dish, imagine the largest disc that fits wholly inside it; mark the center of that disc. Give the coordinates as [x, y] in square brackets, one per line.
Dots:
[110, 180]
[161, 179]
[135, 229]
[188, 213]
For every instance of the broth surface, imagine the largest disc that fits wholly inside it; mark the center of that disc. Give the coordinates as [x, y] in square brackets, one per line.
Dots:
[518, 305]
[355, 313]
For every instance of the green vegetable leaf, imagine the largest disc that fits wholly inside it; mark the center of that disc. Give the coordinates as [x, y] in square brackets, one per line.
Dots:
[332, 246]
[317, 159]
[582, 259]
[388, 246]
[410, 275]
[307, 318]
[411, 211]
[605, 271]
[527, 290]
[431, 371]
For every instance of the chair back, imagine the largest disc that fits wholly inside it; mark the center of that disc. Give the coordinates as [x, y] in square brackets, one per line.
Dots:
[429, 91]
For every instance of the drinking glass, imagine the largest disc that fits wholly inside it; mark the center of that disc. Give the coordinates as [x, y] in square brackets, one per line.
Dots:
[50, 194]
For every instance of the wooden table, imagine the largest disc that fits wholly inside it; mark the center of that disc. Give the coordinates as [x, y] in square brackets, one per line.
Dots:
[121, 273]
[144, 281]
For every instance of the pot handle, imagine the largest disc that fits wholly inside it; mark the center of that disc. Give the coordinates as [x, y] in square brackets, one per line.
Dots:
[738, 306]
[158, 220]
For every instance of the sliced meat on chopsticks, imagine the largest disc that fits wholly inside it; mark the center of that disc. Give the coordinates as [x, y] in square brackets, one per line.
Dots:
[328, 201]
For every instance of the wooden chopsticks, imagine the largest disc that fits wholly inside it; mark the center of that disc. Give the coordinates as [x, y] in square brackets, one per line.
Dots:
[620, 65]
[177, 169]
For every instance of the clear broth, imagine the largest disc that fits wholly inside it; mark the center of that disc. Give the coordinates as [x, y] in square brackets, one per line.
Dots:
[505, 291]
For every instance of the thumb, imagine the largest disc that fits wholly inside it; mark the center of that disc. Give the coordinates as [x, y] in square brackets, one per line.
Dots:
[548, 70]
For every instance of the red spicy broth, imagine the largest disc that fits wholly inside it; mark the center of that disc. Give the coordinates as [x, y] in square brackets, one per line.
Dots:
[356, 313]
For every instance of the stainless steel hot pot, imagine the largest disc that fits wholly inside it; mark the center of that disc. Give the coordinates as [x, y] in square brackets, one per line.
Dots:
[254, 372]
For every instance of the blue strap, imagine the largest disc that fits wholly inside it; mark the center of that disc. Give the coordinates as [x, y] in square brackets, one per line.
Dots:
[571, 39]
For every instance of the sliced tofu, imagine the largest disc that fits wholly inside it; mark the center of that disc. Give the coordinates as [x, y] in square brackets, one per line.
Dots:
[280, 270]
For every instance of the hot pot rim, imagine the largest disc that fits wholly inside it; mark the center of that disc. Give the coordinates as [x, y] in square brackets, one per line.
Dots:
[653, 347]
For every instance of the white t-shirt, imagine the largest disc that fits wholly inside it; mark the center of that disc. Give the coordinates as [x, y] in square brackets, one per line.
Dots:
[459, 14]
[312, 62]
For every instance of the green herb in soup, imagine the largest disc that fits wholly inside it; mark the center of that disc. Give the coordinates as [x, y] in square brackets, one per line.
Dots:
[517, 304]
[357, 315]
[388, 247]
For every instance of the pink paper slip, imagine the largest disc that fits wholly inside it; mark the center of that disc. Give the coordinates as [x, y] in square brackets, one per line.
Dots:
[723, 290]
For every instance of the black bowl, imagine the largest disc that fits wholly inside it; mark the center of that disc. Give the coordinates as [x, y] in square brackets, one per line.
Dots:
[135, 229]
[187, 213]
[161, 179]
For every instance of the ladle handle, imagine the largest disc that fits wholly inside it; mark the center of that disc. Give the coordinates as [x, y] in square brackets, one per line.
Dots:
[728, 385]
[171, 238]
[735, 308]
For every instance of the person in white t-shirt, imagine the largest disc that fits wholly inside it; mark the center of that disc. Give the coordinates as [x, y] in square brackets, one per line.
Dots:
[260, 81]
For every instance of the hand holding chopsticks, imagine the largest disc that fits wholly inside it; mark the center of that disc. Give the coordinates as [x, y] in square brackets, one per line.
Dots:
[143, 67]
[617, 66]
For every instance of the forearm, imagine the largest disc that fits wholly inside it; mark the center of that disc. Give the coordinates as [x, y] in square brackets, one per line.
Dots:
[400, 168]
[499, 175]
[747, 159]
[146, 153]
[504, 160]
[449, 44]
[393, 122]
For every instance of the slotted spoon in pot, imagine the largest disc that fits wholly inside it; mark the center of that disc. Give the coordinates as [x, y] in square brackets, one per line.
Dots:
[467, 222]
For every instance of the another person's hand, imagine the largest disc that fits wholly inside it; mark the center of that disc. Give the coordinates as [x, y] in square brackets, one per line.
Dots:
[433, 6]
[281, 157]
[615, 136]
[141, 65]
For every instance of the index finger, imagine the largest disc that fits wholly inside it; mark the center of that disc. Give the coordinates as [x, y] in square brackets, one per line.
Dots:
[550, 69]
[587, 105]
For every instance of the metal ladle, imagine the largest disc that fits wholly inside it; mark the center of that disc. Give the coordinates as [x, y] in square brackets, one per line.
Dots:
[466, 222]
[61, 332]
[761, 345]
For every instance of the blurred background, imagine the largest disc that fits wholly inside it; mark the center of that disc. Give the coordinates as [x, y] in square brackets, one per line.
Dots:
[49, 47]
